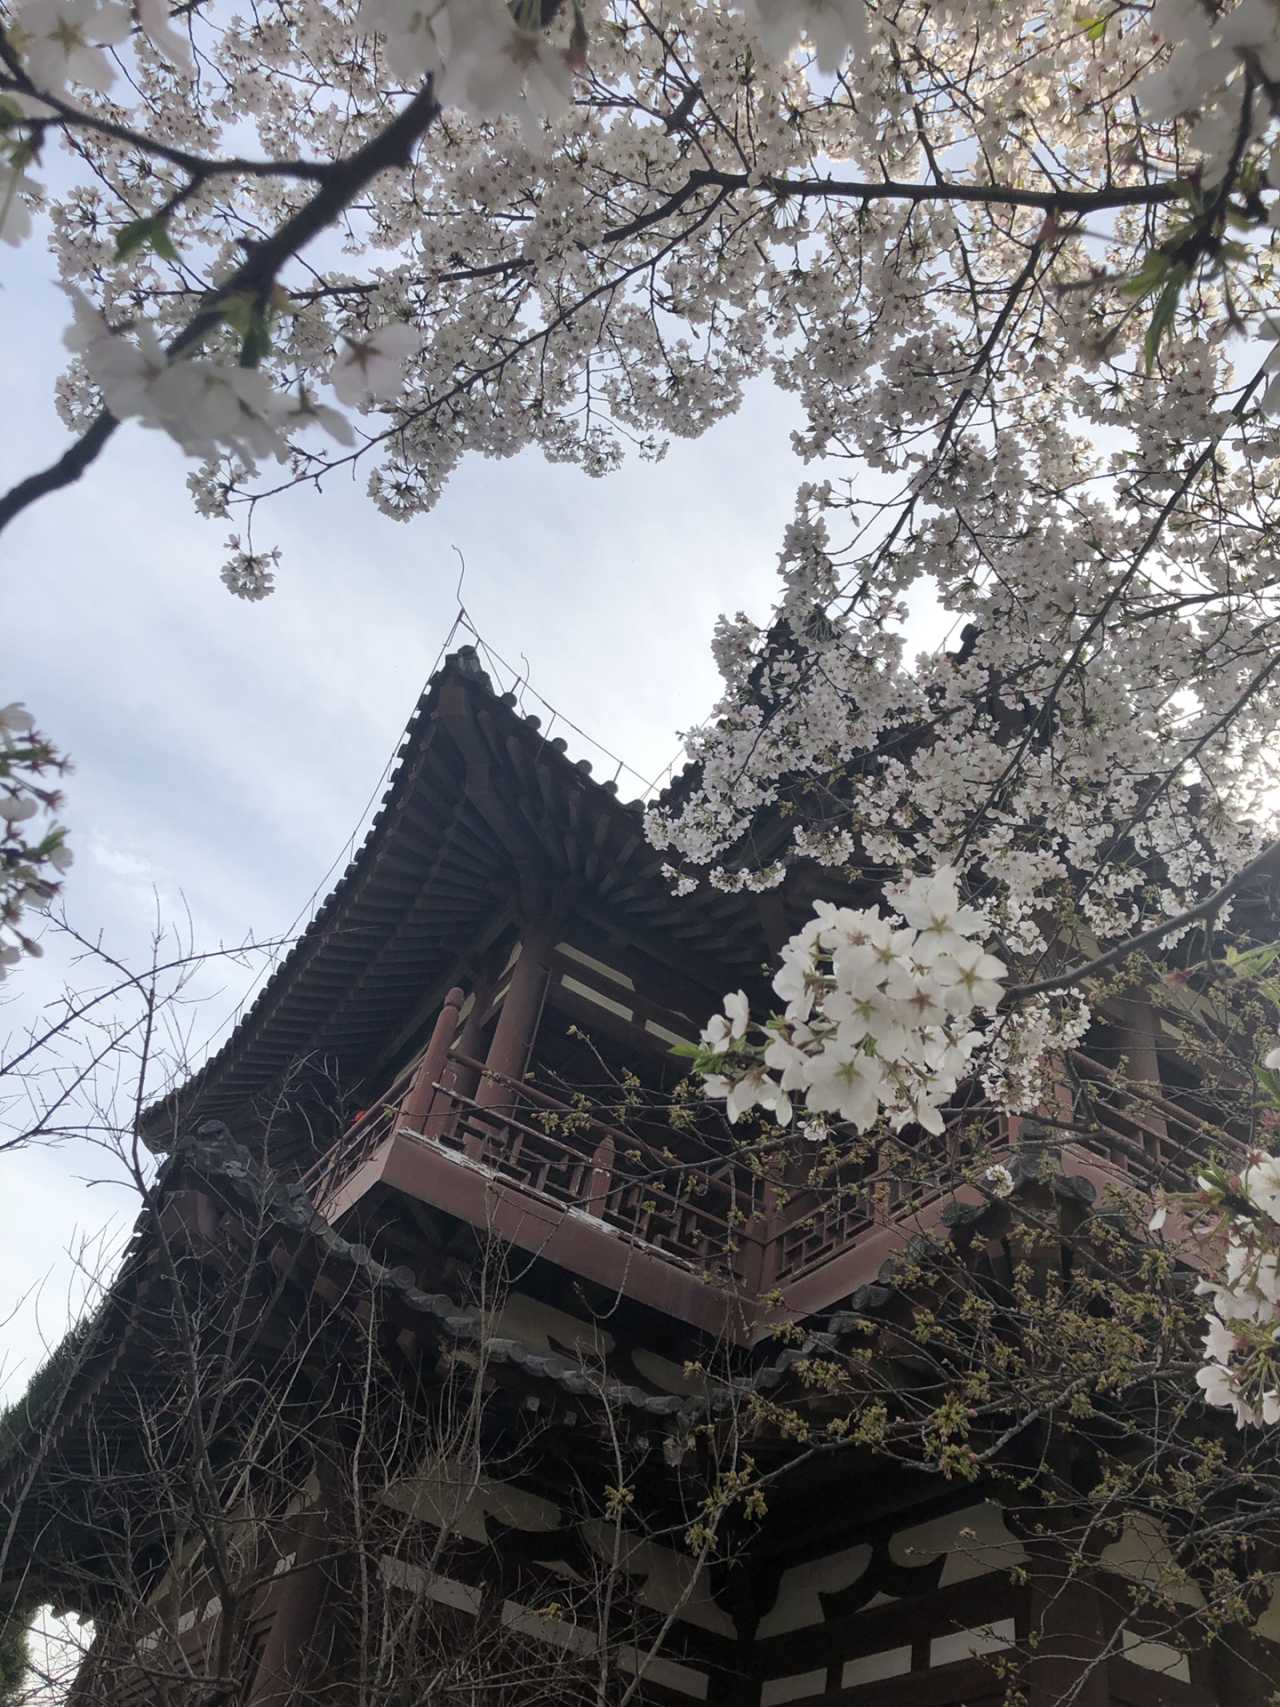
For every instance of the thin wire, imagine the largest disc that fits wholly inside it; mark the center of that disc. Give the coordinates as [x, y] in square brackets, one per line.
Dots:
[649, 785]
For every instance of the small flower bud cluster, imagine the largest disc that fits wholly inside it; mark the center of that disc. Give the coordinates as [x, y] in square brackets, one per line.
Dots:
[878, 1022]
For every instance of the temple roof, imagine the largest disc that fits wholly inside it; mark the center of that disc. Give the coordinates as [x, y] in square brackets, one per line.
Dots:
[481, 807]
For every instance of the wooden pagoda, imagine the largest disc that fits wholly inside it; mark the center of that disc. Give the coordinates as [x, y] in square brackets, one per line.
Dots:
[408, 1097]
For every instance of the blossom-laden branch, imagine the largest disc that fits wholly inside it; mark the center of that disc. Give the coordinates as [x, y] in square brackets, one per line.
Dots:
[59, 61]
[1209, 909]
[212, 407]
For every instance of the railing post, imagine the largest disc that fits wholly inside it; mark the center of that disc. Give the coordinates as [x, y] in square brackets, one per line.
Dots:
[413, 1109]
[760, 1255]
[601, 1177]
[770, 1239]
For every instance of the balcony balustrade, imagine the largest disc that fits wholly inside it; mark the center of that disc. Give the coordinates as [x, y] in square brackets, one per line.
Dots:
[708, 1215]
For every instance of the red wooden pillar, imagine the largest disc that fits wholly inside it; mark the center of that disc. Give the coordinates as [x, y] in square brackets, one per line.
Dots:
[517, 1023]
[458, 1078]
[413, 1109]
[1244, 1670]
[770, 1224]
[1135, 1021]
[1058, 1105]
[758, 1251]
[294, 1602]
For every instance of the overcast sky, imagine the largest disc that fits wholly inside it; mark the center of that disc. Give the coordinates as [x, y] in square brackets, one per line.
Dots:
[225, 752]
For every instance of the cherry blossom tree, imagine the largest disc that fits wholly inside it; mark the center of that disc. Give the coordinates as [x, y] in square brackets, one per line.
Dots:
[1015, 261]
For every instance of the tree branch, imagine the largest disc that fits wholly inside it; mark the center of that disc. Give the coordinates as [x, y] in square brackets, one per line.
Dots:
[1269, 858]
[200, 166]
[988, 195]
[343, 182]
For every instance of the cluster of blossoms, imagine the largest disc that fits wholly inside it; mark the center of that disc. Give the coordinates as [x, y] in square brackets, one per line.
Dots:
[1223, 75]
[212, 407]
[482, 59]
[34, 854]
[1242, 1329]
[63, 44]
[487, 58]
[247, 573]
[878, 1022]
[522, 139]
[836, 28]
[1223, 79]
[204, 405]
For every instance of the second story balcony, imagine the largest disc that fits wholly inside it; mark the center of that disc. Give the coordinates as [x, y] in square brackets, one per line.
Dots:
[692, 1221]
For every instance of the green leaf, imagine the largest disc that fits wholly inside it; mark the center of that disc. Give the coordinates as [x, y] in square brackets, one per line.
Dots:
[1162, 315]
[1149, 277]
[238, 311]
[150, 233]
[687, 1051]
[10, 112]
[1094, 28]
[257, 341]
[131, 237]
[1253, 962]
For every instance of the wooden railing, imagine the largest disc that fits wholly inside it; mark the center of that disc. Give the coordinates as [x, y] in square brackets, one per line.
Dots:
[693, 1209]
[1141, 1132]
[710, 1212]
[704, 1212]
[895, 1181]
[366, 1132]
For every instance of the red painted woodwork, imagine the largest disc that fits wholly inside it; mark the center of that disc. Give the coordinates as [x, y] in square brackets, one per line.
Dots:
[414, 1108]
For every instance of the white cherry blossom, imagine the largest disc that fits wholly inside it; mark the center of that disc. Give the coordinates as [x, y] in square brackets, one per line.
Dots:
[308, 411]
[877, 1024]
[835, 27]
[998, 1180]
[373, 367]
[154, 17]
[61, 42]
[34, 855]
[15, 719]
